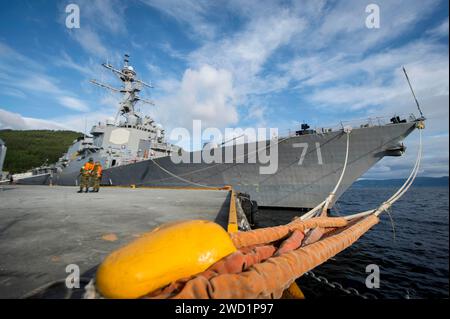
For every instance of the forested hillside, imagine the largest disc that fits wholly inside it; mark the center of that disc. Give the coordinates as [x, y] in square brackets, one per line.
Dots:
[28, 149]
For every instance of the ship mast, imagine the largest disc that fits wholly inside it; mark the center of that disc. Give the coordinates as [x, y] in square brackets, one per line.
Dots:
[131, 86]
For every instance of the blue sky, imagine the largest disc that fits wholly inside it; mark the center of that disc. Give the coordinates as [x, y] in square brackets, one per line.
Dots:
[232, 64]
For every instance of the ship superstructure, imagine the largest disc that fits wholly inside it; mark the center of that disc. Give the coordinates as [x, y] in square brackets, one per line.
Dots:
[130, 137]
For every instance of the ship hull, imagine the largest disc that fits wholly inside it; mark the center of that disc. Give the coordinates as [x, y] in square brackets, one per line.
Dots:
[40, 179]
[299, 182]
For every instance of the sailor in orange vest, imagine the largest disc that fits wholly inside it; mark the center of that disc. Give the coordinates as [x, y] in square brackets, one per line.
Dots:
[86, 172]
[96, 176]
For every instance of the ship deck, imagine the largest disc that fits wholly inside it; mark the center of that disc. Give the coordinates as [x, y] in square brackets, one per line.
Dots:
[43, 229]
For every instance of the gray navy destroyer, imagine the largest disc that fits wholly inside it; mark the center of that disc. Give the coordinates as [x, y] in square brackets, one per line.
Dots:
[133, 151]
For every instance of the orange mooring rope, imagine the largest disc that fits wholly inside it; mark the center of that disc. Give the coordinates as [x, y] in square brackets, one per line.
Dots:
[268, 235]
[265, 271]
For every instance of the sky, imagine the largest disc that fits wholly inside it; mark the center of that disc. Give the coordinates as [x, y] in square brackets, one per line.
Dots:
[233, 64]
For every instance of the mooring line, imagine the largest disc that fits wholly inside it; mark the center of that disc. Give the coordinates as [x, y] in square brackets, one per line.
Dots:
[400, 192]
[323, 206]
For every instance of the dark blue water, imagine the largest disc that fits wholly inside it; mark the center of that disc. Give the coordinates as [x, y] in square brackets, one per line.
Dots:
[414, 264]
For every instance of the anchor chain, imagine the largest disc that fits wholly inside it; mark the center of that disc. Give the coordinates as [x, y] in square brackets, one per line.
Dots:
[338, 286]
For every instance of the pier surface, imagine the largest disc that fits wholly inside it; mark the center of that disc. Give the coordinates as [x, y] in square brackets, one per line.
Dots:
[43, 229]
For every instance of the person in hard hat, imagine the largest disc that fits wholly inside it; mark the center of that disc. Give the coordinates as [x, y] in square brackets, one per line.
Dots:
[96, 176]
[86, 172]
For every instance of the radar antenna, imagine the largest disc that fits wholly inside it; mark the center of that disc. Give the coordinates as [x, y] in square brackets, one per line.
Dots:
[130, 90]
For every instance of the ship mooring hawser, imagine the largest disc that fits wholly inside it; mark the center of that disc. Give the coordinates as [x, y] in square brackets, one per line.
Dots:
[212, 252]
[133, 151]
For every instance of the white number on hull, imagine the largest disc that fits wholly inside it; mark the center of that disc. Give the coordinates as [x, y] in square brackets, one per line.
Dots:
[304, 147]
[319, 154]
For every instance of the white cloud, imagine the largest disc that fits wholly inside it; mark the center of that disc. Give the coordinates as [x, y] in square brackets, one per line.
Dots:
[106, 15]
[325, 67]
[73, 103]
[98, 18]
[8, 55]
[427, 70]
[168, 49]
[39, 83]
[266, 27]
[14, 92]
[192, 13]
[78, 123]
[90, 41]
[31, 77]
[245, 53]
[10, 120]
[67, 61]
[440, 31]
[344, 27]
[42, 84]
[205, 94]
[256, 115]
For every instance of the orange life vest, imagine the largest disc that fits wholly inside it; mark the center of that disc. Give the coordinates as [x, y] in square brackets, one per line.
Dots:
[98, 170]
[88, 167]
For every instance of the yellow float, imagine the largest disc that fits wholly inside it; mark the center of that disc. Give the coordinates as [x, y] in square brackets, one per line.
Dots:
[170, 252]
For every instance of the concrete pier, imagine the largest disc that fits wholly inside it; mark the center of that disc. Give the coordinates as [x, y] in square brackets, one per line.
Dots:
[43, 229]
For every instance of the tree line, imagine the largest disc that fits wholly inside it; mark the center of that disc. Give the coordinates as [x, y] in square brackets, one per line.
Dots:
[33, 148]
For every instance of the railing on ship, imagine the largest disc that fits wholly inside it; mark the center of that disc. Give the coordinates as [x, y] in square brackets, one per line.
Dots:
[355, 123]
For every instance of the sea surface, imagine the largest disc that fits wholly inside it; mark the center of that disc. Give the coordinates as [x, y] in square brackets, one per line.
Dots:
[413, 256]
